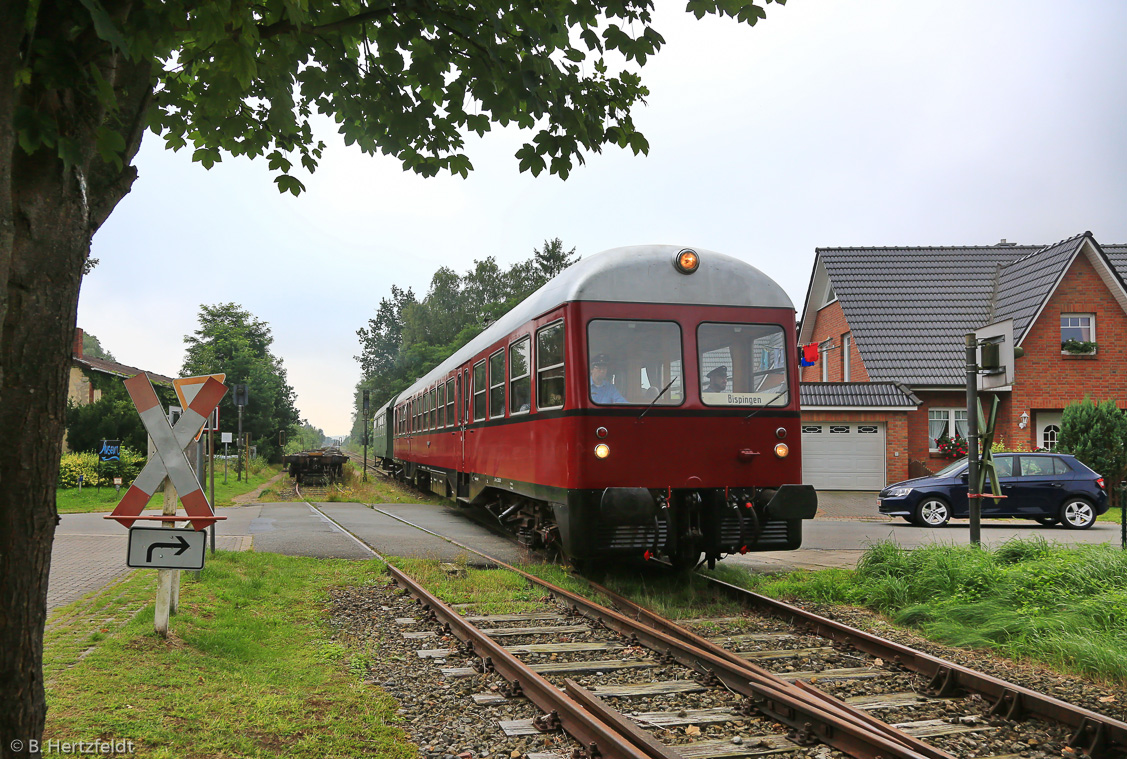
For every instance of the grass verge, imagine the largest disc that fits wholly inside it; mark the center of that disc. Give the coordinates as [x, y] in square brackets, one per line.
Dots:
[1065, 606]
[90, 499]
[250, 668]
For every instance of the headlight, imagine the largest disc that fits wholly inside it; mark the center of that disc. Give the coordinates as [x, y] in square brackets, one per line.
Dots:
[897, 492]
[781, 450]
[602, 450]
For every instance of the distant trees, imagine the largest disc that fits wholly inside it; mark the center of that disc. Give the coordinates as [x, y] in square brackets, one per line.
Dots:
[232, 341]
[408, 337]
[1096, 433]
[92, 348]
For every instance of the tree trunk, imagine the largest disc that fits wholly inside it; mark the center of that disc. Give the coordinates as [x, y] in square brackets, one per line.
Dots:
[48, 215]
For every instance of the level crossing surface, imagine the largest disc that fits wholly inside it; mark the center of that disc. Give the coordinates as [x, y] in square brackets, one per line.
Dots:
[89, 551]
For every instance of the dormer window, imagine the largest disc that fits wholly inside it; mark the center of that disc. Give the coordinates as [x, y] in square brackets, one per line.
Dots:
[1078, 334]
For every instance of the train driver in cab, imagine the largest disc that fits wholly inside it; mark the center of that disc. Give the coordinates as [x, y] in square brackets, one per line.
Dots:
[602, 391]
[717, 380]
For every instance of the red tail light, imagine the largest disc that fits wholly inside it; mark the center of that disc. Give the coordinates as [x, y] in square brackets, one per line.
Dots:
[1100, 482]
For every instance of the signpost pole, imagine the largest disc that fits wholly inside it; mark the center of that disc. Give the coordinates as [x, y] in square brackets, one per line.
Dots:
[972, 441]
[211, 477]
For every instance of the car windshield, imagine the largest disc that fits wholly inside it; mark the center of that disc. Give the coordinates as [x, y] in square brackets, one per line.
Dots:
[951, 468]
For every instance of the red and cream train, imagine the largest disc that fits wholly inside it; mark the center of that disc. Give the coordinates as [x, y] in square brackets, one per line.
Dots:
[682, 440]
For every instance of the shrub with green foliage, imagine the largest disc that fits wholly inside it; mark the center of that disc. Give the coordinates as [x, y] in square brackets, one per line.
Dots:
[73, 464]
[1097, 435]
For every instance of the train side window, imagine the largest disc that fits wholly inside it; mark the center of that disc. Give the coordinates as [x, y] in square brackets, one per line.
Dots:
[479, 391]
[520, 376]
[449, 403]
[550, 366]
[441, 405]
[432, 420]
[497, 385]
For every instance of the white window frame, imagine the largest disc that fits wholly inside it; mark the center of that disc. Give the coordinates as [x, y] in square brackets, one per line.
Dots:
[1091, 325]
[846, 341]
[951, 419]
[825, 366]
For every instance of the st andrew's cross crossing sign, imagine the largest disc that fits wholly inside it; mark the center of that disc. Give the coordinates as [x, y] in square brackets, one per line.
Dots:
[170, 443]
[166, 548]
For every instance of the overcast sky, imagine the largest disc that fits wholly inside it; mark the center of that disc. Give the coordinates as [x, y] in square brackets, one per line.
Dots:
[920, 122]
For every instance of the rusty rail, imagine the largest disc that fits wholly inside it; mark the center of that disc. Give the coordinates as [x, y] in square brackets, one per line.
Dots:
[597, 737]
[812, 719]
[1095, 734]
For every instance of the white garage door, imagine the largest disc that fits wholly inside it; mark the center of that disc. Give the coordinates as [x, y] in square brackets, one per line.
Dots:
[843, 455]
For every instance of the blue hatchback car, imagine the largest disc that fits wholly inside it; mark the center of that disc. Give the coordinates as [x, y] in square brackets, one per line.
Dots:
[1049, 488]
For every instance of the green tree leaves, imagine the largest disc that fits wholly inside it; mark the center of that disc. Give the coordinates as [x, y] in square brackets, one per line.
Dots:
[408, 81]
[1096, 433]
[408, 338]
[231, 341]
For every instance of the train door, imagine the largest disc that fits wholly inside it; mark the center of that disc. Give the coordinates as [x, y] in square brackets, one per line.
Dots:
[461, 405]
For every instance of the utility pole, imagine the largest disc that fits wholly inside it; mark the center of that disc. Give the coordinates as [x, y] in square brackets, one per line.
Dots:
[364, 476]
[241, 397]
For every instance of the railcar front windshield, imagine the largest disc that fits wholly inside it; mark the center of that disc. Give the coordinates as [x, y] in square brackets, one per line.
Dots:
[743, 365]
[631, 362]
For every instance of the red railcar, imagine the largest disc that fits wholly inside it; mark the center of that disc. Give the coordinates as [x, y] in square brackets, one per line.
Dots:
[644, 402]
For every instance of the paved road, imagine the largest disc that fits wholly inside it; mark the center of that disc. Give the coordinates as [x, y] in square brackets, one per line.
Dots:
[89, 551]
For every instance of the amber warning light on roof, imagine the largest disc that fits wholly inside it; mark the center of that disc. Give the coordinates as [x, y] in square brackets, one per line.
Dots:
[687, 261]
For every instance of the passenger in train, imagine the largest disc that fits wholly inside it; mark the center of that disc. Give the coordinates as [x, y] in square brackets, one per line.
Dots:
[602, 391]
[717, 380]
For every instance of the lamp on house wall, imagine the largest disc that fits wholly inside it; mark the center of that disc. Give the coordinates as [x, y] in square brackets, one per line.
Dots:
[1024, 420]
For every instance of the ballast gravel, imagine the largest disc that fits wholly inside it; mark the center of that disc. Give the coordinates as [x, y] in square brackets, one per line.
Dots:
[439, 715]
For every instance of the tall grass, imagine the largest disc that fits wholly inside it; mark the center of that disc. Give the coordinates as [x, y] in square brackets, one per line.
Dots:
[1065, 606]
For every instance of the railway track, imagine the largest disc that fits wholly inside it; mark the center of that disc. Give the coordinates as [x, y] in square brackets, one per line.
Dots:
[776, 680]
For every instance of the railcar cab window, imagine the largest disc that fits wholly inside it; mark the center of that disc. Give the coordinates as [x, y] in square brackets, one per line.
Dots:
[497, 385]
[743, 365]
[550, 366]
[520, 377]
[633, 361]
[479, 391]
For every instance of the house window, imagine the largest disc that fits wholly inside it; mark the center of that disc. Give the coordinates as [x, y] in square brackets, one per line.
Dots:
[1078, 328]
[1049, 437]
[846, 339]
[825, 367]
[951, 422]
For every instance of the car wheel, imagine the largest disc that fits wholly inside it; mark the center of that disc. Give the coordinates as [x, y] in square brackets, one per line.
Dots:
[1047, 521]
[1077, 514]
[932, 511]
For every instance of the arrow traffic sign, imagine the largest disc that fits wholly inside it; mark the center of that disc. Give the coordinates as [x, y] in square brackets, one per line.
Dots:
[166, 548]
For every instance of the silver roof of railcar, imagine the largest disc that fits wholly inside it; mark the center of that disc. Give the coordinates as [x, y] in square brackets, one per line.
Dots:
[634, 274]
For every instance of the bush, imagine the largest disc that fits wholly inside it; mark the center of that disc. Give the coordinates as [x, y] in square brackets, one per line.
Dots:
[73, 464]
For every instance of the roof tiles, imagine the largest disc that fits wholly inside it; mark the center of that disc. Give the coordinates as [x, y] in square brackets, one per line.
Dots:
[910, 308]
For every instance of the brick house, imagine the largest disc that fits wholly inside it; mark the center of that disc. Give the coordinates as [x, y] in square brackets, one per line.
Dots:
[81, 385]
[890, 378]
